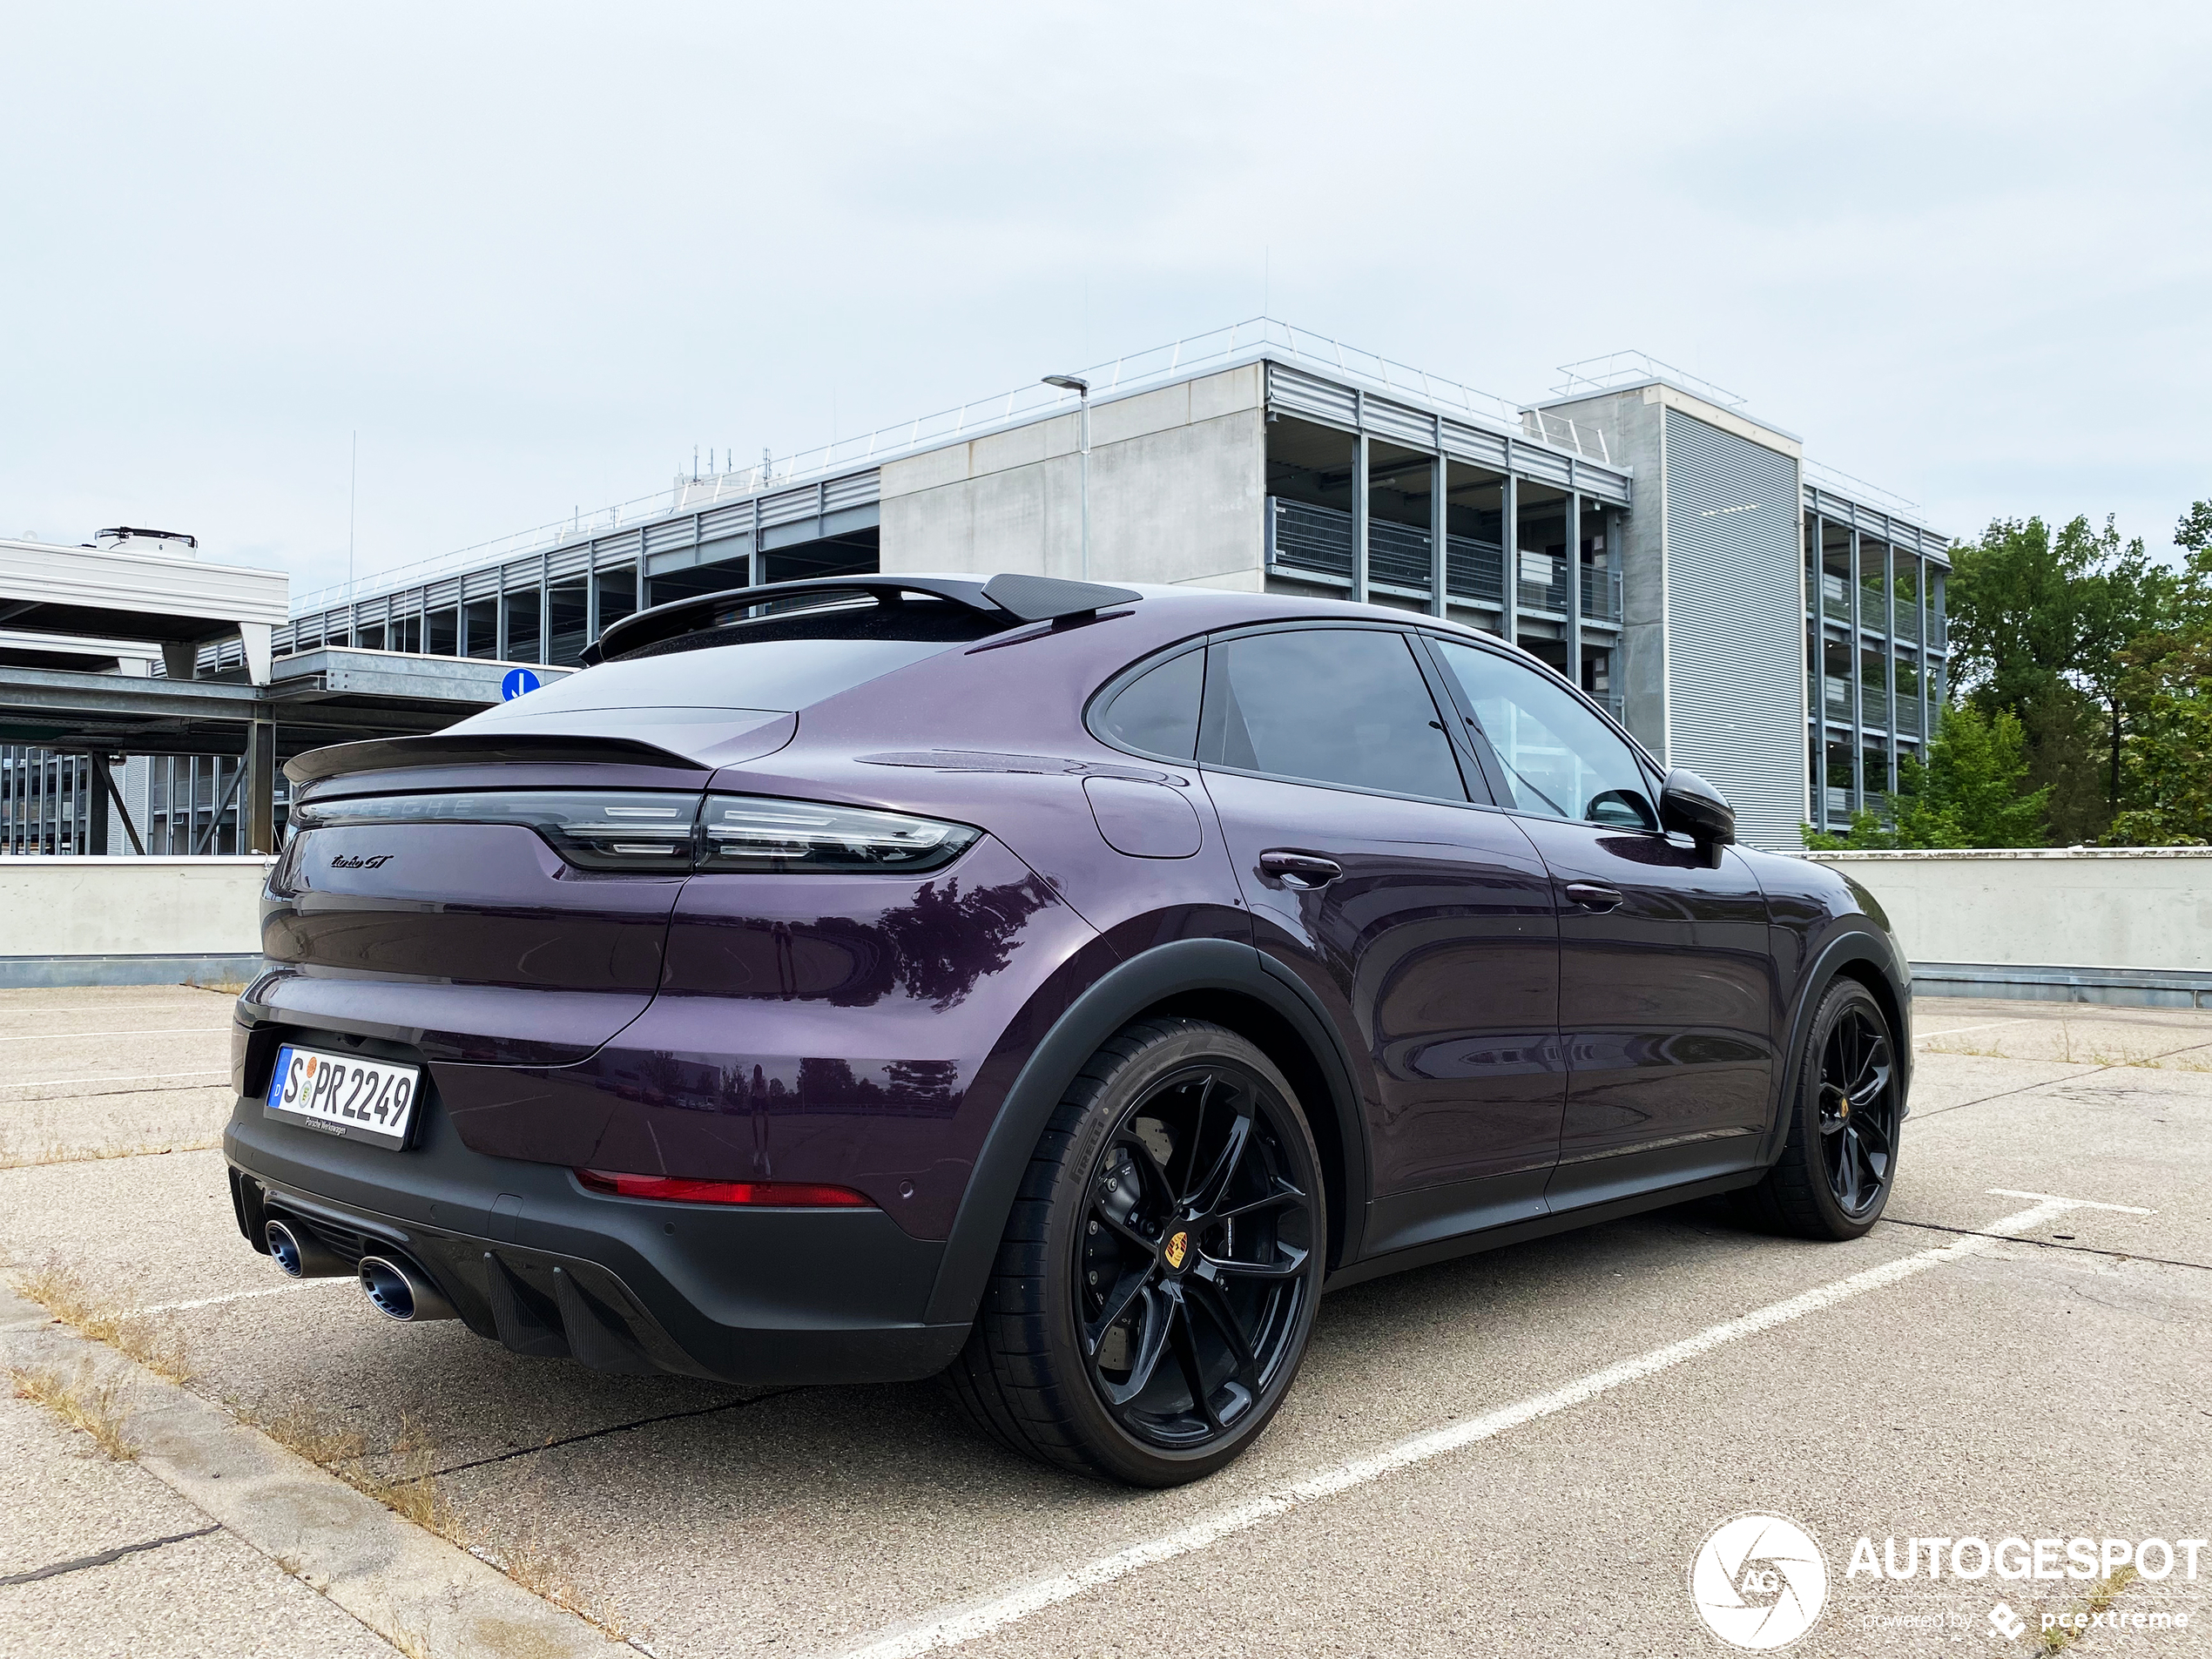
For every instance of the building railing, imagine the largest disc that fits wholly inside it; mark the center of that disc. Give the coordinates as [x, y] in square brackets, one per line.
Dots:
[1250, 341]
[1838, 804]
[1601, 593]
[1306, 540]
[1832, 603]
[45, 802]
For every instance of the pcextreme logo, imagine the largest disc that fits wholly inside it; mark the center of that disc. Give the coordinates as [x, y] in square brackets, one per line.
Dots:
[1758, 1582]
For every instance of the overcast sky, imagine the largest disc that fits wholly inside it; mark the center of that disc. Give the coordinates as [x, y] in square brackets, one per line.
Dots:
[535, 254]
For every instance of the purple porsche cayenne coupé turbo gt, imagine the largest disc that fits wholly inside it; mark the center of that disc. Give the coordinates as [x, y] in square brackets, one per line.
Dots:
[1054, 986]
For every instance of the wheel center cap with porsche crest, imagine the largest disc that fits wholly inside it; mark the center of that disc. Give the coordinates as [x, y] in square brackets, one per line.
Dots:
[1174, 1251]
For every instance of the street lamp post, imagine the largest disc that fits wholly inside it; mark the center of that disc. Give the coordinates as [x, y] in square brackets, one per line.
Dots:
[1081, 389]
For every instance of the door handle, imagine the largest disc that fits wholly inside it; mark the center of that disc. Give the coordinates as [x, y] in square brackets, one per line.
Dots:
[1300, 870]
[1592, 895]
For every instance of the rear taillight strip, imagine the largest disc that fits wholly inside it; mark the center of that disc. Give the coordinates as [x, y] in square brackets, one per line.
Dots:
[662, 831]
[684, 1189]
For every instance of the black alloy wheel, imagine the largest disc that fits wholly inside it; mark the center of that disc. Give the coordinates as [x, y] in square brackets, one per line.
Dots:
[1157, 1282]
[1192, 1269]
[1857, 1109]
[1839, 1162]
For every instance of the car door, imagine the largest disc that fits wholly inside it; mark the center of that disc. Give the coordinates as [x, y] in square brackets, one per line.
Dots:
[1667, 992]
[1424, 927]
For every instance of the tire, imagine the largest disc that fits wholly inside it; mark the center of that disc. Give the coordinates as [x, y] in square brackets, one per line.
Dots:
[1839, 1163]
[1176, 1188]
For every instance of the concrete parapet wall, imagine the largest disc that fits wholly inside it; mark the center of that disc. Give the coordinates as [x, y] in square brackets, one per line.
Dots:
[1178, 480]
[2083, 924]
[129, 920]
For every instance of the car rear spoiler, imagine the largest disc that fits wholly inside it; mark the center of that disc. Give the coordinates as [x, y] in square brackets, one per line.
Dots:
[475, 749]
[1014, 598]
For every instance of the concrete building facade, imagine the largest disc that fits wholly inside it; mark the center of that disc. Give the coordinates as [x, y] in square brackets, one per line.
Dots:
[1779, 632]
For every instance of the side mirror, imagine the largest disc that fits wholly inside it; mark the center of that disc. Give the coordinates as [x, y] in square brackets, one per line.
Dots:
[1690, 804]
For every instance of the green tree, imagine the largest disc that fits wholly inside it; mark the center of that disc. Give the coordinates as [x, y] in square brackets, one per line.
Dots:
[2038, 625]
[1973, 791]
[2165, 688]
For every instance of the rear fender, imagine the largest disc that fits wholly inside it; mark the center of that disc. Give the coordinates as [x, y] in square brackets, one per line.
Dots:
[1182, 969]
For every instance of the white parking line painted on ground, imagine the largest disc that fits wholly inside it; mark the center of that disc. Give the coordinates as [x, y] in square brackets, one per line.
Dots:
[10, 1009]
[952, 1627]
[1988, 1025]
[240, 1295]
[164, 1031]
[2071, 1203]
[116, 1077]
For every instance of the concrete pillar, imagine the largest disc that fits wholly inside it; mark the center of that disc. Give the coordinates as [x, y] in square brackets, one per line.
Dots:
[1359, 519]
[1816, 671]
[181, 659]
[1857, 682]
[1889, 650]
[253, 641]
[1439, 538]
[256, 796]
[1509, 539]
[1927, 728]
[1575, 588]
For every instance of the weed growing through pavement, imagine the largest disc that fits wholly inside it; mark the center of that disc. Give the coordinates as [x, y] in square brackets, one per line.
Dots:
[411, 1491]
[84, 1401]
[71, 1298]
[2060, 1637]
[306, 1429]
[545, 1571]
[56, 1152]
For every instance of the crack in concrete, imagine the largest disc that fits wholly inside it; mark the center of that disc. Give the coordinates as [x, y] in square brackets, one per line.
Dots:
[615, 1428]
[2053, 1082]
[2044, 1243]
[105, 1557]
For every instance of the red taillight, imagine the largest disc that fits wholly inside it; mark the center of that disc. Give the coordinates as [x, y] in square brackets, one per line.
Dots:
[682, 1189]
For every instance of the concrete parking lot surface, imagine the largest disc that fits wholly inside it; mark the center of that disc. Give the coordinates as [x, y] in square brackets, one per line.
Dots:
[1603, 1402]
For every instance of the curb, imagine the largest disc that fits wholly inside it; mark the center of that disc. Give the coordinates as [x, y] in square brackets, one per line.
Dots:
[420, 1594]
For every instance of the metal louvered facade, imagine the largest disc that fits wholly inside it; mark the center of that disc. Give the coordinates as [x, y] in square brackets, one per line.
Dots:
[1295, 391]
[1735, 609]
[729, 537]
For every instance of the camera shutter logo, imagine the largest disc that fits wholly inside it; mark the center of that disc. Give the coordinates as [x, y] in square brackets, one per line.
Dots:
[1759, 1582]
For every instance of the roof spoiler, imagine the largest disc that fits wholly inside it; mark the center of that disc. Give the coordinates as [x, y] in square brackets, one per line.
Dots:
[1018, 598]
[477, 749]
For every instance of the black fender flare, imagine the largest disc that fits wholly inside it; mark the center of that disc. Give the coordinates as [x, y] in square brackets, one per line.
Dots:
[1854, 944]
[1178, 969]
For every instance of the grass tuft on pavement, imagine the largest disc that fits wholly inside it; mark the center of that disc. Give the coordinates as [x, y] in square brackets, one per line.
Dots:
[83, 1401]
[70, 1296]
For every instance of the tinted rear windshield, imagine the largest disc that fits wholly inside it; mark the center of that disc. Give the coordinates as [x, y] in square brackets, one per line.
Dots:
[781, 662]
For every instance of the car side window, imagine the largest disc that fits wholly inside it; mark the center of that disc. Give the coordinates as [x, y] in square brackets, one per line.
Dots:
[1329, 705]
[1157, 713]
[1557, 758]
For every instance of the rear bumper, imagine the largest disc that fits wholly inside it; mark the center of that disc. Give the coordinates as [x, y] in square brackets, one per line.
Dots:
[532, 1259]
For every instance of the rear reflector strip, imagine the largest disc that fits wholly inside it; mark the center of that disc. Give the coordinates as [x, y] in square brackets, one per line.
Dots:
[681, 1189]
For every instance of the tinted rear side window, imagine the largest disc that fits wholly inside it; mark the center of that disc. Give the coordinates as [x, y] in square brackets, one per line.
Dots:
[1157, 713]
[1334, 705]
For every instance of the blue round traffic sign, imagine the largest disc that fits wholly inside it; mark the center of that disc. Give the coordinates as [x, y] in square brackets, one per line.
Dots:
[518, 681]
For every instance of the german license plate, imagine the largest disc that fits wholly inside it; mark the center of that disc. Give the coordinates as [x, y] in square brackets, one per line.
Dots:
[362, 1100]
